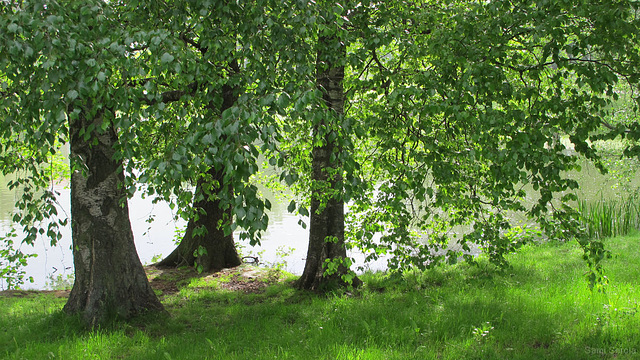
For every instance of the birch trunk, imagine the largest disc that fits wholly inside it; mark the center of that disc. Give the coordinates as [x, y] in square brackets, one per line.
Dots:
[110, 281]
[326, 230]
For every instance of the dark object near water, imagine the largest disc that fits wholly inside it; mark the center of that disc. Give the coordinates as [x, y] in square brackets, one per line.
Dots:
[251, 260]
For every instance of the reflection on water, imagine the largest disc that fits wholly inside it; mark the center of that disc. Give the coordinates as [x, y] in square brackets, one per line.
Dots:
[285, 242]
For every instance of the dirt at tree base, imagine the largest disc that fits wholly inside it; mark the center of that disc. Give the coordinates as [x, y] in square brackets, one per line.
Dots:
[168, 281]
[244, 278]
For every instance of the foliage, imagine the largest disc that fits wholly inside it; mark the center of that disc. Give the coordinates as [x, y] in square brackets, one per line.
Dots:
[452, 109]
[12, 261]
[60, 281]
[198, 253]
[42, 75]
[460, 104]
[210, 57]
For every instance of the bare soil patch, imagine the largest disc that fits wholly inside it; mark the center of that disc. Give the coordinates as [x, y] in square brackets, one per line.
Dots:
[168, 281]
[244, 278]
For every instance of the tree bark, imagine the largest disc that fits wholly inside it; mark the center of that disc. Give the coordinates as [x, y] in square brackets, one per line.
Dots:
[326, 230]
[220, 248]
[110, 281]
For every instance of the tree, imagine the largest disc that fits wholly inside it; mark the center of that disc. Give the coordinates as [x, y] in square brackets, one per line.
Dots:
[327, 264]
[455, 109]
[54, 86]
[177, 100]
[213, 101]
[109, 278]
[205, 244]
[464, 101]
[205, 144]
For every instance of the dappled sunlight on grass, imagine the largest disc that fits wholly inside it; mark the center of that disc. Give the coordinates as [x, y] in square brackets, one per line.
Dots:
[541, 307]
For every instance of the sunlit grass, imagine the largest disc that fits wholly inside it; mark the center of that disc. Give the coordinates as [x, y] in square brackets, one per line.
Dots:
[539, 308]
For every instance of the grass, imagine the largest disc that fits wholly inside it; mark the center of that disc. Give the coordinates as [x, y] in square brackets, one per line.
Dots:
[541, 308]
[610, 217]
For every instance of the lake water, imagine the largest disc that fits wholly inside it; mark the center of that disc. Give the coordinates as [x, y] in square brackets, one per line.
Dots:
[285, 241]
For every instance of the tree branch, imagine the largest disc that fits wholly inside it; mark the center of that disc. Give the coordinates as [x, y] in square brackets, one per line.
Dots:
[189, 41]
[172, 95]
[612, 127]
[377, 60]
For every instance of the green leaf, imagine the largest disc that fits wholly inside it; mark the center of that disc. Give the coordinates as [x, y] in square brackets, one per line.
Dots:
[303, 211]
[166, 58]
[72, 95]
[241, 212]
[289, 179]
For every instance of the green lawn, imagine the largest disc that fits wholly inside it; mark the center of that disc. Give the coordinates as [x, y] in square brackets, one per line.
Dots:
[539, 309]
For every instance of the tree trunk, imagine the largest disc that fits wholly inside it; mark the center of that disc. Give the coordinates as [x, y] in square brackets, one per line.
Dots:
[326, 231]
[110, 281]
[220, 248]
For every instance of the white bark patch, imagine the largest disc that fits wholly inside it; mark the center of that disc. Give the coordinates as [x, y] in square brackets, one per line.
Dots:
[93, 199]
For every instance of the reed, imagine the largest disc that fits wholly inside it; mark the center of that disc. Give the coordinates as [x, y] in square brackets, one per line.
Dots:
[610, 217]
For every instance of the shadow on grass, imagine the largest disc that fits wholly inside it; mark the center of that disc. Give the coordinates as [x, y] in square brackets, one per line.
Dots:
[539, 308]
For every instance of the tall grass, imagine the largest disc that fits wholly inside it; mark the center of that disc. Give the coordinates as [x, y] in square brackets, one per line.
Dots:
[610, 217]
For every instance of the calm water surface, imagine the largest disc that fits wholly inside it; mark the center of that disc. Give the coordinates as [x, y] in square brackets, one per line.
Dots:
[285, 242]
